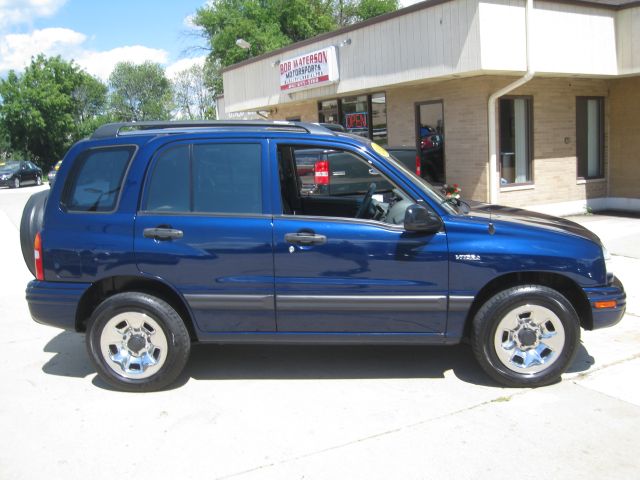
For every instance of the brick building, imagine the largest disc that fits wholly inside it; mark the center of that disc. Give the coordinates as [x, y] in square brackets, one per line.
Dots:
[538, 103]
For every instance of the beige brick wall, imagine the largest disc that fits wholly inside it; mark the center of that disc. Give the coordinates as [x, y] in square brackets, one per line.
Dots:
[308, 112]
[466, 138]
[625, 138]
[466, 144]
[554, 142]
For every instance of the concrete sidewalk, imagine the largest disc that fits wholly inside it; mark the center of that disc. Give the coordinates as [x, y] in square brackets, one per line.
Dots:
[315, 412]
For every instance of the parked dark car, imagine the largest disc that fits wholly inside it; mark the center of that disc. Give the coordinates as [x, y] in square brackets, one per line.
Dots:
[53, 172]
[18, 173]
[156, 236]
[331, 172]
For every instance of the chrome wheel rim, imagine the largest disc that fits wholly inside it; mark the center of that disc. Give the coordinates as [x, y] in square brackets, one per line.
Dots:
[133, 345]
[38, 181]
[16, 183]
[529, 339]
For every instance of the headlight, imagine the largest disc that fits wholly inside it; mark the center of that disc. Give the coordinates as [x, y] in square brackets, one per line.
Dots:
[607, 260]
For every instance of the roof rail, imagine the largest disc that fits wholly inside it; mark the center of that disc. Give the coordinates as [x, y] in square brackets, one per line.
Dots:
[111, 130]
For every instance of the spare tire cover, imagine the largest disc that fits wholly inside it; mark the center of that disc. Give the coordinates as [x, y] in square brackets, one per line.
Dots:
[30, 225]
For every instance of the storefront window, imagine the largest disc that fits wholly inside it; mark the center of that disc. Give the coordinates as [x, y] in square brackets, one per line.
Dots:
[355, 115]
[590, 137]
[379, 118]
[515, 140]
[328, 112]
[364, 115]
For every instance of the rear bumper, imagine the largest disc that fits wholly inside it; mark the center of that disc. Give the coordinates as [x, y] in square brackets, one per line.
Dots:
[55, 303]
[607, 317]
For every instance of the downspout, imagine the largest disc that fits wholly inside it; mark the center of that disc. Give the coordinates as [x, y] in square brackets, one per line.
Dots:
[494, 177]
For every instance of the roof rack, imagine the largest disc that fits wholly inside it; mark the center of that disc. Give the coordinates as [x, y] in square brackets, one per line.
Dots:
[111, 130]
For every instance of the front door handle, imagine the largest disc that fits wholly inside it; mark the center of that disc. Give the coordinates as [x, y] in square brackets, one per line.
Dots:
[160, 233]
[305, 239]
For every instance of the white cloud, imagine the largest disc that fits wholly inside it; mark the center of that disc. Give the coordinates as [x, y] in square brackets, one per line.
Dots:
[101, 64]
[177, 67]
[13, 12]
[16, 51]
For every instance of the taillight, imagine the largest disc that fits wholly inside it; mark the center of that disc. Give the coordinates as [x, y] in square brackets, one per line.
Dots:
[37, 254]
[321, 172]
[418, 165]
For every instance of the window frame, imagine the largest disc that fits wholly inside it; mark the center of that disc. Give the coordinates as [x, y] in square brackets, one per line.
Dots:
[530, 140]
[601, 128]
[264, 177]
[75, 169]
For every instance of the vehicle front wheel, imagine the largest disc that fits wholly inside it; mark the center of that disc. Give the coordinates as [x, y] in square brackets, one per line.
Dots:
[526, 336]
[16, 183]
[137, 342]
[38, 180]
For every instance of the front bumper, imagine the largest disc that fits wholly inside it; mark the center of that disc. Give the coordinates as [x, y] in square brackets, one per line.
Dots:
[55, 303]
[607, 317]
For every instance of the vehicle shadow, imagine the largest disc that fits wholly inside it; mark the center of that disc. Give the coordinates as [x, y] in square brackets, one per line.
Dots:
[300, 362]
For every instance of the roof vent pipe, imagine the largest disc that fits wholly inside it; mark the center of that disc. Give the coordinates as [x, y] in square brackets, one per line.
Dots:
[494, 176]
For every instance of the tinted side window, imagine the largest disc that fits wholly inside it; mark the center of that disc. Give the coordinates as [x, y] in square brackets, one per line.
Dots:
[227, 178]
[96, 178]
[207, 178]
[168, 188]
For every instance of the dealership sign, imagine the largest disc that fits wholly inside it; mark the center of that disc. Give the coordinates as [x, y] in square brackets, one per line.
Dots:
[313, 69]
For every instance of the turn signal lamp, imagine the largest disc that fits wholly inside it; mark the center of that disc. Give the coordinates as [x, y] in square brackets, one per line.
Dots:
[607, 304]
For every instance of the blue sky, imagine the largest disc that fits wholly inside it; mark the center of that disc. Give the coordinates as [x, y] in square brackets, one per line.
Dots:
[98, 34]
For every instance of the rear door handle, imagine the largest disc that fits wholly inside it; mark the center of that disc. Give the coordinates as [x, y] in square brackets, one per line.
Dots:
[160, 233]
[305, 238]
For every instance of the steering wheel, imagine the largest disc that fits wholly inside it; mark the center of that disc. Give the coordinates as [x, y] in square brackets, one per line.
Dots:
[366, 201]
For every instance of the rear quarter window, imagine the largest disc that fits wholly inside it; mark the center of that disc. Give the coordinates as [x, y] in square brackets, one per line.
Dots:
[96, 179]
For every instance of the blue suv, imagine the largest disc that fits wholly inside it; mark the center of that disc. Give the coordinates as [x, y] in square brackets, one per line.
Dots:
[159, 235]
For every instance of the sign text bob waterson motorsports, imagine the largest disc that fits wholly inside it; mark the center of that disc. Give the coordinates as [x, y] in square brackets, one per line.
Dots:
[313, 69]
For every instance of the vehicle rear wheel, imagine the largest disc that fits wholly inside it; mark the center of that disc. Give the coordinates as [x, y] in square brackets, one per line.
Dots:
[526, 336]
[38, 180]
[137, 342]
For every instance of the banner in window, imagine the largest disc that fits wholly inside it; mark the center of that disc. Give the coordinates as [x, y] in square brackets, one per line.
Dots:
[310, 70]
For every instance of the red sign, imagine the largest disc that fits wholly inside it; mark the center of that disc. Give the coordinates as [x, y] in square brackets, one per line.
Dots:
[356, 120]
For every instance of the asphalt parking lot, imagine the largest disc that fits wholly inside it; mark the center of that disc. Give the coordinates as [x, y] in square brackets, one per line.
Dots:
[316, 412]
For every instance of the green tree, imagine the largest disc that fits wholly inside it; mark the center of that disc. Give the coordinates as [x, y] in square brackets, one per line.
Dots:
[45, 109]
[140, 92]
[271, 24]
[192, 97]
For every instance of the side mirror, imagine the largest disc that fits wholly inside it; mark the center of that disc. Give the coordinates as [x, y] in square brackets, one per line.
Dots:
[418, 219]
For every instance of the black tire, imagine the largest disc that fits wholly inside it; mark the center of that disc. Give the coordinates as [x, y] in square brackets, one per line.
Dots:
[159, 314]
[30, 224]
[38, 180]
[560, 325]
[15, 183]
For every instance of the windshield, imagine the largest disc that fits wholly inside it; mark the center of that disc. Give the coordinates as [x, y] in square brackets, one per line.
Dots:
[9, 166]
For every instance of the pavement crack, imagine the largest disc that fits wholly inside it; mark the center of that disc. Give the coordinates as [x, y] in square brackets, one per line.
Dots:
[502, 398]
